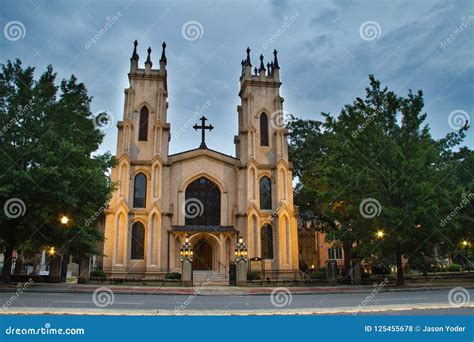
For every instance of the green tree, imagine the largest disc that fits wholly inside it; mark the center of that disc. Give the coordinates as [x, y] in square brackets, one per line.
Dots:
[381, 169]
[47, 166]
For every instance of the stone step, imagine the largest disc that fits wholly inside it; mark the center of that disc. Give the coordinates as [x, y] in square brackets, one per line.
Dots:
[209, 278]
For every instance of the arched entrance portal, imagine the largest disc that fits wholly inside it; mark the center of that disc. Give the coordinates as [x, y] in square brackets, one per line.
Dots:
[202, 258]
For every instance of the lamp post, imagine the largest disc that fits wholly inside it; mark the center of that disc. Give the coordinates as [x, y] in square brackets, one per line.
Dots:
[241, 262]
[380, 235]
[465, 244]
[186, 253]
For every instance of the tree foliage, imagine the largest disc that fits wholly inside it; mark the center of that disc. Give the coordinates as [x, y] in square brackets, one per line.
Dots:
[47, 164]
[376, 167]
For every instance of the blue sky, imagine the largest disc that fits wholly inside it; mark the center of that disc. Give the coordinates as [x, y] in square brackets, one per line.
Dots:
[326, 51]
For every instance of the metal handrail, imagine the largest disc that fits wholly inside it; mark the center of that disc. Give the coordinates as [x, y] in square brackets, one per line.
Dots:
[225, 268]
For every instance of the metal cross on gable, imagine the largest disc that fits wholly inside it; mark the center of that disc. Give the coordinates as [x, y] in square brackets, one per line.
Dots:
[203, 128]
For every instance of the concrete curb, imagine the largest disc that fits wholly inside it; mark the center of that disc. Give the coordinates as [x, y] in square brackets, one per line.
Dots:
[237, 312]
[221, 291]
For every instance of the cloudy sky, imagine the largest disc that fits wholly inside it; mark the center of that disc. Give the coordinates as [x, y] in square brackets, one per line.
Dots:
[326, 51]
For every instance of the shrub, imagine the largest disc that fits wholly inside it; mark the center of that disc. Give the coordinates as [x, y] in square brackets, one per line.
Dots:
[319, 274]
[98, 274]
[253, 275]
[173, 276]
[454, 268]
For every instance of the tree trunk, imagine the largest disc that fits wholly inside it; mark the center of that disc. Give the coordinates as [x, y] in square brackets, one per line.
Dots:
[347, 246]
[398, 254]
[7, 264]
[18, 264]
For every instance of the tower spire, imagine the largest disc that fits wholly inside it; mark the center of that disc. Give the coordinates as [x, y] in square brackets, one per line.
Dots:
[262, 66]
[163, 54]
[148, 59]
[247, 61]
[275, 61]
[135, 54]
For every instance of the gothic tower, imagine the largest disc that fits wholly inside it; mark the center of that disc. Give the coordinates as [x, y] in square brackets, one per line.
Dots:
[262, 147]
[142, 149]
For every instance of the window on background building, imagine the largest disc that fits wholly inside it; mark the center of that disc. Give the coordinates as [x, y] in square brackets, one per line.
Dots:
[143, 124]
[138, 241]
[266, 236]
[139, 191]
[335, 253]
[263, 129]
[265, 193]
[203, 203]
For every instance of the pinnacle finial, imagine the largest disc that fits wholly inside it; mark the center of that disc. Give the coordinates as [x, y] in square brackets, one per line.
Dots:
[148, 59]
[247, 61]
[163, 53]
[135, 54]
[262, 66]
[275, 61]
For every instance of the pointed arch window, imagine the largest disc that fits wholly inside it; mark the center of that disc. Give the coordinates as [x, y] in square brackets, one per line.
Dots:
[202, 206]
[139, 191]
[138, 241]
[143, 124]
[266, 236]
[263, 129]
[265, 193]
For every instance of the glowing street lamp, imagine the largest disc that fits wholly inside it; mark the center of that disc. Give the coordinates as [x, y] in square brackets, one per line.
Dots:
[186, 251]
[51, 251]
[380, 234]
[241, 250]
[64, 219]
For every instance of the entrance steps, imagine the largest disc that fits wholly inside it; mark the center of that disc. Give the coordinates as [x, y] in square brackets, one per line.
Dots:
[211, 278]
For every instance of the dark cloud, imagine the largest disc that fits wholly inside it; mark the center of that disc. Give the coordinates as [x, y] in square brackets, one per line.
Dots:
[324, 61]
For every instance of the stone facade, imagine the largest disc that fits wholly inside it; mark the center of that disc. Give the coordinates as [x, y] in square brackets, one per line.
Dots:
[163, 215]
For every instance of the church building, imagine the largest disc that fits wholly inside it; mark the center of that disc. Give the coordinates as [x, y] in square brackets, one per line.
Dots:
[201, 194]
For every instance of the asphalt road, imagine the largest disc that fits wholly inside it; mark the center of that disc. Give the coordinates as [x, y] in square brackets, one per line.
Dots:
[391, 302]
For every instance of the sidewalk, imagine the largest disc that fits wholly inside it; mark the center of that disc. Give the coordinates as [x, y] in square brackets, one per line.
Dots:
[221, 290]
